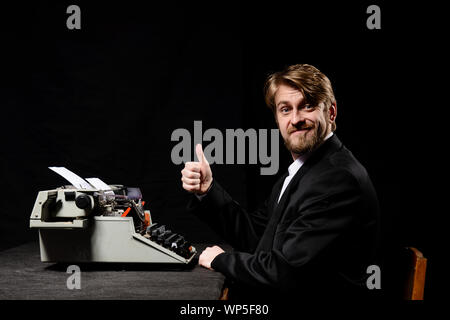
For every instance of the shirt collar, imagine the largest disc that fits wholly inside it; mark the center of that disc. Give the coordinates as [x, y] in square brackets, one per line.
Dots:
[293, 168]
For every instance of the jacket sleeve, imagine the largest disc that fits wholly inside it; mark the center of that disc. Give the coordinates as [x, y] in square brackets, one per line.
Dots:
[318, 224]
[242, 229]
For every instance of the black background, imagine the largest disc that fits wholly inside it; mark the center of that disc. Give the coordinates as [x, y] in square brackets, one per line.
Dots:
[104, 100]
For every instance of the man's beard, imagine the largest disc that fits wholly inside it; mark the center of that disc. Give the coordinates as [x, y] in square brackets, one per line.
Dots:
[307, 141]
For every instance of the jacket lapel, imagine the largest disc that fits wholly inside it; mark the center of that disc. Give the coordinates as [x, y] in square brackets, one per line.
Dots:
[272, 204]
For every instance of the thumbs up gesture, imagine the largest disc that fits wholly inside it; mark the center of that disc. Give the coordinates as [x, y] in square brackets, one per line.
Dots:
[197, 176]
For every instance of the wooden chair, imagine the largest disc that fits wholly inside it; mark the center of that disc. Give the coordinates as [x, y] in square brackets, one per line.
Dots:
[416, 269]
[224, 294]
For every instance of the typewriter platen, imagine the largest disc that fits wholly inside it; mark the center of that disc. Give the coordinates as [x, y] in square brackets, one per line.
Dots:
[95, 222]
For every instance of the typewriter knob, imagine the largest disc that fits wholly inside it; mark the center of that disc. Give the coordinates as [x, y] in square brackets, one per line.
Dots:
[83, 201]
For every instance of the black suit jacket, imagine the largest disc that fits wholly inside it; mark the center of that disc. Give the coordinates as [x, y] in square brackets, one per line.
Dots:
[317, 241]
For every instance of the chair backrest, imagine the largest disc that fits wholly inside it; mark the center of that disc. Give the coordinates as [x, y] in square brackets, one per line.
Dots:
[416, 270]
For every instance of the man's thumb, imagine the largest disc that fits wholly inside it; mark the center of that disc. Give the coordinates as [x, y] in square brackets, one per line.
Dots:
[200, 155]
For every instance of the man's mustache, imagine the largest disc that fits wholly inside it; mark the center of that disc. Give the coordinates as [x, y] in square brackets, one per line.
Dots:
[300, 127]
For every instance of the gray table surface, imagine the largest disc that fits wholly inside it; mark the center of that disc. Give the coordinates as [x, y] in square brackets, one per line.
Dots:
[24, 276]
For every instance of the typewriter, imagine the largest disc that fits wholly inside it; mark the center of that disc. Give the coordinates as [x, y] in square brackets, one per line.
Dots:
[91, 221]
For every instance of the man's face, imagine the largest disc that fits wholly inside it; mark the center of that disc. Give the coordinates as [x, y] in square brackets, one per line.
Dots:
[303, 126]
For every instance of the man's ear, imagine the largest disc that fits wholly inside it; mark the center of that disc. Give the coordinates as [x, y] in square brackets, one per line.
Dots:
[332, 111]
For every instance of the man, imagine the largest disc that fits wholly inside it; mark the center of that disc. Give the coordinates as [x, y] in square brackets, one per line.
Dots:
[316, 233]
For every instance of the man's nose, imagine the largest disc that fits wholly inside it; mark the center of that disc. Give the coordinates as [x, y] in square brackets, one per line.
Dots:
[297, 117]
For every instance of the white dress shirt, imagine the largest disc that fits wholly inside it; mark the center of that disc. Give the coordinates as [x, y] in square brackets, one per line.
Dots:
[294, 167]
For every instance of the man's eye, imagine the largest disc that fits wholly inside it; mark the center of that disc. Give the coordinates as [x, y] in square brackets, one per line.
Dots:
[308, 107]
[284, 109]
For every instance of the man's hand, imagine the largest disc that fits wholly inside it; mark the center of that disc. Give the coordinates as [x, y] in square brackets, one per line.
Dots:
[197, 176]
[208, 256]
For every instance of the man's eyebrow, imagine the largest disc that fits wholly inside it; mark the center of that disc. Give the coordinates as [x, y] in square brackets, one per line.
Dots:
[303, 103]
[282, 102]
